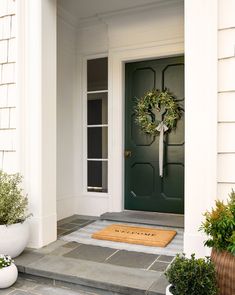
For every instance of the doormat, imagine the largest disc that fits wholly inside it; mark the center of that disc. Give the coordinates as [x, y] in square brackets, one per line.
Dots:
[135, 235]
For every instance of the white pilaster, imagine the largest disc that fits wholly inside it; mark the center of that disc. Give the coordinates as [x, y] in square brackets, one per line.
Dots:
[201, 23]
[36, 80]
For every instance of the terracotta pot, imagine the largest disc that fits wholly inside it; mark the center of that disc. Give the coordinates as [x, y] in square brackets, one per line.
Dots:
[225, 271]
[14, 238]
[8, 276]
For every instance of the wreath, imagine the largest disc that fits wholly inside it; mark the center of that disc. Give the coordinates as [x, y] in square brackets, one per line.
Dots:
[153, 101]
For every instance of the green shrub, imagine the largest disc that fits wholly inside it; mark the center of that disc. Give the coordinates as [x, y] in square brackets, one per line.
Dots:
[13, 204]
[219, 225]
[192, 276]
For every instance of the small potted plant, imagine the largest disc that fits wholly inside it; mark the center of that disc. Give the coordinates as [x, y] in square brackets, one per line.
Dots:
[8, 271]
[191, 276]
[14, 231]
[219, 225]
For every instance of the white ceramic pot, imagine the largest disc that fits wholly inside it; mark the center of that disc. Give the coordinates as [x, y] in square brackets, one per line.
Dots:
[14, 238]
[168, 292]
[8, 276]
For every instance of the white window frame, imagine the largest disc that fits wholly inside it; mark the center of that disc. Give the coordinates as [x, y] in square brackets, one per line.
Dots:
[85, 126]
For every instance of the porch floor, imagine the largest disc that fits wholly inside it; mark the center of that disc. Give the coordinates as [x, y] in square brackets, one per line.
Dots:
[92, 268]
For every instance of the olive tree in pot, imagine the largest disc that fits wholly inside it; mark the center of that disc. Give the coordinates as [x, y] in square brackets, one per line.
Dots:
[219, 225]
[14, 230]
[191, 276]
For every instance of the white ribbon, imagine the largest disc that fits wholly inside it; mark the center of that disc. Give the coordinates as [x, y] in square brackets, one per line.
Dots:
[161, 128]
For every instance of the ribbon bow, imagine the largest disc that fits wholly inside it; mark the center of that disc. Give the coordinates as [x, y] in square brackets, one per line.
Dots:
[161, 128]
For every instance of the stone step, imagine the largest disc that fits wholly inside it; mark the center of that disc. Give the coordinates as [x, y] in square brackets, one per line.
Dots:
[97, 276]
[143, 217]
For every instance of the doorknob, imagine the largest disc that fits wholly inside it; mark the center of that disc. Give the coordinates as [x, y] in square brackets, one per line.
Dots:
[127, 153]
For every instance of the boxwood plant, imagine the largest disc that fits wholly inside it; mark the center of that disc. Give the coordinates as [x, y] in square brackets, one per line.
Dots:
[191, 276]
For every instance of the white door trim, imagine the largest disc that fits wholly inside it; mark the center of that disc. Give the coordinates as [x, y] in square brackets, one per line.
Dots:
[117, 60]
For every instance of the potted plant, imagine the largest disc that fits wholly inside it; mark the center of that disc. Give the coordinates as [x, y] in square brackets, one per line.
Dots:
[14, 231]
[219, 225]
[8, 271]
[191, 276]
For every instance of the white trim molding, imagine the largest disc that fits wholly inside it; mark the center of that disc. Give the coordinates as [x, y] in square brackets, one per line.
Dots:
[36, 78]
[117, 60]
[200, 118]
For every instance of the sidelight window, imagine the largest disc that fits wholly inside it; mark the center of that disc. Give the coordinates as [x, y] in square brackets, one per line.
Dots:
[97, 125]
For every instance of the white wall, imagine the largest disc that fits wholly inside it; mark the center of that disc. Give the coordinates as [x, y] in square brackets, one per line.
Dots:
[36, 89]
[8, 101]
[226, 98]
[109, 33]
[66, 80]
[200, 118]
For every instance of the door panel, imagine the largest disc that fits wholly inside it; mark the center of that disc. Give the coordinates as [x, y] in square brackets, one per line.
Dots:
[144, 188]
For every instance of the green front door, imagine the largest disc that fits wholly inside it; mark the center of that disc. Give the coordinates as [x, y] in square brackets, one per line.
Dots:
[144, 188]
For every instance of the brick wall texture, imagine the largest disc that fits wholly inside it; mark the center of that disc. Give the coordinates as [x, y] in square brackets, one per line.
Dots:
[8, 85]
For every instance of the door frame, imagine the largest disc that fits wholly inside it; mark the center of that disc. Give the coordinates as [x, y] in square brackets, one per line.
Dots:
[166, 204]
[117, 60]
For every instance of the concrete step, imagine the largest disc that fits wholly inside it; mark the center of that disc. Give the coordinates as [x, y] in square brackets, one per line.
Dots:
[101, 277]
[143, 217]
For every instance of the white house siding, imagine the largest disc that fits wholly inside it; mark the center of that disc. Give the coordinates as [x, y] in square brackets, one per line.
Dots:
[226, 97]
[8, 122]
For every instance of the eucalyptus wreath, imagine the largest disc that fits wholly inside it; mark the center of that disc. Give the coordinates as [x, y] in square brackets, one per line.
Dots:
[156, 100]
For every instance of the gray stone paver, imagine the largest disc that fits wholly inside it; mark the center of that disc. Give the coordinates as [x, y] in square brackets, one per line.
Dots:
[89, 252]
[71, 245]
[29, 287]
[69, 268]
[159, 266]
[165, 258]
[132, 259]
[67, 226]
[52, 290]
[93, 274]
[6, 291]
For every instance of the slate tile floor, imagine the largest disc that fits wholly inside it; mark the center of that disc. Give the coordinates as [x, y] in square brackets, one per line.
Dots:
[80, 252]
[105, 254]
[26, 286]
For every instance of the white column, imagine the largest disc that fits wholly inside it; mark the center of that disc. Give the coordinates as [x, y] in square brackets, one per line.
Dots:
[36, 78]
[200, 117]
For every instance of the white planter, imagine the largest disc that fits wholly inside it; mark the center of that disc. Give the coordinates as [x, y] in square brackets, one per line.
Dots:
[168, 291]
[8, 276]
[14, 238]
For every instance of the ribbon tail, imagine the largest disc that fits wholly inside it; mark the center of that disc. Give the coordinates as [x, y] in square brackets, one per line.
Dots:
[161, 128]
[161, 152]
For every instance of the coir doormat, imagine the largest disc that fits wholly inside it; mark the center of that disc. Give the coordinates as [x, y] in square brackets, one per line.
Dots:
[135, 235]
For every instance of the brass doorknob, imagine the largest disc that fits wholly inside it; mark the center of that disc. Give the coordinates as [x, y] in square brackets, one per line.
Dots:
[127, 153]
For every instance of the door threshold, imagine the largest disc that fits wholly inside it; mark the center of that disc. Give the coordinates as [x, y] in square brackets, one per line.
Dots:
[145, 217]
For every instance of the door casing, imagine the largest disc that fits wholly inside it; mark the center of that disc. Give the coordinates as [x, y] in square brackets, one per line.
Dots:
[154, 197]
[117, 60]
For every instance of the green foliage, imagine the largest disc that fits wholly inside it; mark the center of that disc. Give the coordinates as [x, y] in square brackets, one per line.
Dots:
[192, 276]
[13, 204]
[155, 100]
[5, 261]
[219, 225]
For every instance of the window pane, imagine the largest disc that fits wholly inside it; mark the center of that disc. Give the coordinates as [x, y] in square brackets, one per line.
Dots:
[97, 142]
[97, 109]
[97, 74]
[97, 174]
